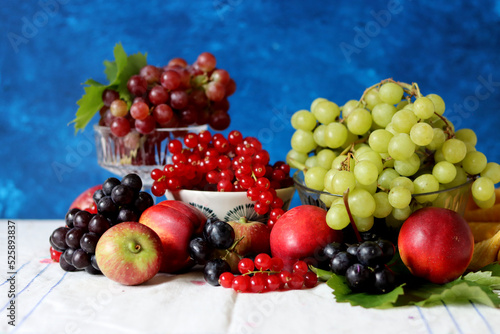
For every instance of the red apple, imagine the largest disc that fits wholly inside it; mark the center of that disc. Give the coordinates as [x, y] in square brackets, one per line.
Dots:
[129, 253]
[84, 201]
[254, 236]
[300, 234]
[436, 244]
[175, 223]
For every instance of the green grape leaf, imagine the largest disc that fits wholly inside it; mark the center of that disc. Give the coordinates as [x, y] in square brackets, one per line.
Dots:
[323, 275]
[343, 294]
[92, 82]
[117, 72]
[134, 64]
[483, 278]
[89, 104]
[477, 287]
[493, 267]
[456, 292]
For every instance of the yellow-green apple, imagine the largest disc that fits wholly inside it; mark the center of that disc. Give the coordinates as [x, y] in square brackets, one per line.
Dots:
[175, 223]
[129, 253]
[254, 236]
[436, 244]
[301, 234]
[84, 201]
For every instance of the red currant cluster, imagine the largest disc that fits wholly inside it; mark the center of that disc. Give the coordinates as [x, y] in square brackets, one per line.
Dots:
[216, 163]
[176, 95]
[269, 275]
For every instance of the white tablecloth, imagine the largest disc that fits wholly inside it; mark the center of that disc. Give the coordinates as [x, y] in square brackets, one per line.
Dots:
[49, 300]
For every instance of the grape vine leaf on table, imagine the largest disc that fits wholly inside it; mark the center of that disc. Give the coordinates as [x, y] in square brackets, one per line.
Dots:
[117, 72]
[477, 287]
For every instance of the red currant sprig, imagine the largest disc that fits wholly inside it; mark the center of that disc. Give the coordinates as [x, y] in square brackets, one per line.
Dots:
[266, 273]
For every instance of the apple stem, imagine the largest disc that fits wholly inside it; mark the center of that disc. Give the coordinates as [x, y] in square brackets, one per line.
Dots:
[243, 220]
[351, 218]
[134, 247]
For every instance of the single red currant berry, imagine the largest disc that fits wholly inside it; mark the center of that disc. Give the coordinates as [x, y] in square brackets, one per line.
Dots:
[276, 213]
[276, 264]
[55, 255]
[225, 186]
[235, 137]
[262, 261]
[261, 157]
[241, 283]
[221, 145]
[175, 146]
[245, 265]
[285, 168]
[226, 280]
[261, 208]
[273, 282]
[158, 188]
[300, 267]
[156, 174]
[296, 281]
[259, 170]
[173, 184]
[310, 279]
[224, 162]
[212, 177]
[266, 198]
[191, 140]
[246, 182]
[226, 174]
[253, 193]
[169, 170]
[278, 175]
[263, 183]
[205, 136]
[285, 276]
[179, 158]
[277, 204]
[257, 284]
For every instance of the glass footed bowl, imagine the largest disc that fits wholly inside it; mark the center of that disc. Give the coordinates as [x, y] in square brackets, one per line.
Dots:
[455, 198]
[137, 153]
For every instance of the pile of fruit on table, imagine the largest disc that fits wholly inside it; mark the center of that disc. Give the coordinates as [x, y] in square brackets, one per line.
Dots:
[379, 165]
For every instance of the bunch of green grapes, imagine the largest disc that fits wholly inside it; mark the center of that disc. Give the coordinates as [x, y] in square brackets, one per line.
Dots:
[377, 154]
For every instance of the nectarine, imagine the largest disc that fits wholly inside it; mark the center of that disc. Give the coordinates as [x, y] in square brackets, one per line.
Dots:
[436, 244]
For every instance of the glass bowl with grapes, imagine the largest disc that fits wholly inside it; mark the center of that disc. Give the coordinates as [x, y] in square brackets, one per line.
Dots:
[386, 155]
[136, 152]
[144, 107]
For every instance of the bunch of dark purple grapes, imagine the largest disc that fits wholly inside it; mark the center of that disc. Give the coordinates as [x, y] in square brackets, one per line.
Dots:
[364, 265]
[117, 202]
[205, 250]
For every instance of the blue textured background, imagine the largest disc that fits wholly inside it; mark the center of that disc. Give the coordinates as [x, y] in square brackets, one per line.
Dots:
[282, 54]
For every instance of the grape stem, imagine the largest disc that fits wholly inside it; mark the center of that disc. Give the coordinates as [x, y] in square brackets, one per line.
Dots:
[449, 129]
[411, 90]
[351, 218]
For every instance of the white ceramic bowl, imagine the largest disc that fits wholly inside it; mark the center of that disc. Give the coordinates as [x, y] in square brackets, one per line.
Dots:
[227, 206]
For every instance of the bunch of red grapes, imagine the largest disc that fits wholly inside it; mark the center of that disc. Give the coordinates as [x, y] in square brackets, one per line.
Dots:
[176, 95]
[215, 163]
